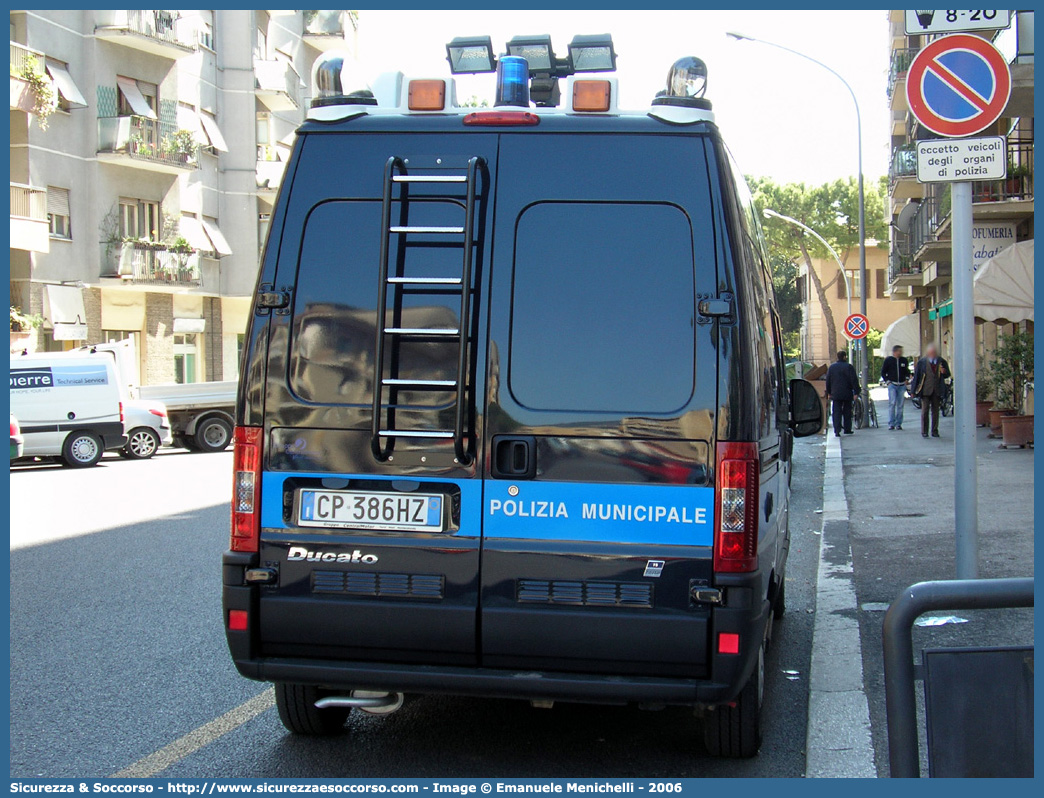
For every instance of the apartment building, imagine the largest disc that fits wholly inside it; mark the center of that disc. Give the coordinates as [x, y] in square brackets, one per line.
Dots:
[816, 346]
[147, 147]
[919, 257]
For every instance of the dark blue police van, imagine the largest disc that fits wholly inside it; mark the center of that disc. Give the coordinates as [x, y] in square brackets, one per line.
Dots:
[513, 416]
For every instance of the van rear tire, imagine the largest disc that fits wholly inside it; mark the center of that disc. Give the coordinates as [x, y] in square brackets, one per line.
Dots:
[212, 435]
[82, 449]
[299, 714]
[735, 731]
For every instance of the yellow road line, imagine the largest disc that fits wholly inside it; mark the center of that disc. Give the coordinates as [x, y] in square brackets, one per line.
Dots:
[197, 738]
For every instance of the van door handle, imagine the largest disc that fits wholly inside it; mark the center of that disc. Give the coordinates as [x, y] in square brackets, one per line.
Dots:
[514, 457]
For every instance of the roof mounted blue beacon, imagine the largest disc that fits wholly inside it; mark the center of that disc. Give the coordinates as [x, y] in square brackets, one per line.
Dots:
[512, 82]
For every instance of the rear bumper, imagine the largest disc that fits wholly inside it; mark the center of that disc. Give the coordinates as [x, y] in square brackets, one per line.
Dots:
[488, 682]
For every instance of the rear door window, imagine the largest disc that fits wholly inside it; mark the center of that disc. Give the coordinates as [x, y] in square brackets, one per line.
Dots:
[603, 308]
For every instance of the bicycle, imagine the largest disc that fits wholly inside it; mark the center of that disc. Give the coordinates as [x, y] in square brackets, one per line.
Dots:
[858, 413]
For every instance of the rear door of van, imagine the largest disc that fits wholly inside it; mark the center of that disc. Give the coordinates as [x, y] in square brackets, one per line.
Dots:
[601, 406]
[376, 538]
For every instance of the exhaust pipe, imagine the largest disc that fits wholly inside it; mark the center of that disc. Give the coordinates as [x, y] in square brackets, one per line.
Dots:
[374, 703]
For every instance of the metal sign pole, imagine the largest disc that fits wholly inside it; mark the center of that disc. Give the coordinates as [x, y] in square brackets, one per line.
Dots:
[965, 504]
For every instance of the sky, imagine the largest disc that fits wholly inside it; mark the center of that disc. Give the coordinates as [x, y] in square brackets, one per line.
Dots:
[781, 116]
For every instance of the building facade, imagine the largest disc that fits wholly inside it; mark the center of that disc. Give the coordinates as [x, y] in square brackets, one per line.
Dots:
[816, 347]
[146, 151]
[919, 256]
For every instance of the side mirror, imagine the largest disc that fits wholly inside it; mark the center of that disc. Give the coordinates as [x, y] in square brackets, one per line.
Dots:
[806, 411]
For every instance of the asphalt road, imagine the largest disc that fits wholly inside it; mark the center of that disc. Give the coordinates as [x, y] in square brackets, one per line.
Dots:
[117, 652]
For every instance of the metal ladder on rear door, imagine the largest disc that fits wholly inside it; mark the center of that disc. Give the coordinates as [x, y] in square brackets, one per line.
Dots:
[395, 173]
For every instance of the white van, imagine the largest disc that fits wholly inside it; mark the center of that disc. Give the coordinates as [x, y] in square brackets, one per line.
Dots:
[68, 405]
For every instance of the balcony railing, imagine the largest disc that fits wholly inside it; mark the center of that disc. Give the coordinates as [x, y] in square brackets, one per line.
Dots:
[1018, 185]
[933, 211]
[147, 140]
[278, 85]
[900, 258]
[26, 60]
[142, 263]
[900, 64]
[28, 202]
[160, 26]
[904, 163]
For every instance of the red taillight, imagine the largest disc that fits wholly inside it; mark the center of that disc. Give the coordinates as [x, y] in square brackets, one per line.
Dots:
[160, 413]
[736, 520]
[121, 412]
[246, 489]
[728, 642]
[501, 118]
[238, 620]
[15, 431]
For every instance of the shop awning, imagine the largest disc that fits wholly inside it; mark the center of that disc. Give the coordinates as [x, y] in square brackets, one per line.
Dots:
[221, 246]
[1004, 285]
[904, 332]
[63, 80]
[63, 310]
[210, 126]
[941, 311]
[192, 231]
[135, 99]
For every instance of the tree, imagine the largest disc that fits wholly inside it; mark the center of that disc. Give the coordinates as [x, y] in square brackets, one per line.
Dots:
[832, 210]
[788, 303]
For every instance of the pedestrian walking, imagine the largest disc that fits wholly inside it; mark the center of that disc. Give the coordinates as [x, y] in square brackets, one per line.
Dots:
[929, 374]
[842, 386]
[895, 371]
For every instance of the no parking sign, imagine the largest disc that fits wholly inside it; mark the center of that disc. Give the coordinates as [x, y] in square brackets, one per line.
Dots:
[857, 326]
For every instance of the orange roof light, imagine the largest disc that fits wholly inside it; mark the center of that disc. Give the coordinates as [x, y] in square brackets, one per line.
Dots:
[427, 95]
[591, 95]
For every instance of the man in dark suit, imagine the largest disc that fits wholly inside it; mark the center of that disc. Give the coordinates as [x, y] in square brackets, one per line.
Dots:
[929, 374]
[842, 386]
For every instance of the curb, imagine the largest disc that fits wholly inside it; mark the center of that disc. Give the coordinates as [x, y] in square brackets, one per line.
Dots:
[838, 742]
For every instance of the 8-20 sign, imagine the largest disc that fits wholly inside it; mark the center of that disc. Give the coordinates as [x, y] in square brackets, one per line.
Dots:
[919, 22]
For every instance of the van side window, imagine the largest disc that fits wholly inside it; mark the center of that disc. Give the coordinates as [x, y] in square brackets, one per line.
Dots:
[603, 308]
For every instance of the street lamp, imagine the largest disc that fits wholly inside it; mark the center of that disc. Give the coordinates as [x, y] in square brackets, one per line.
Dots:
[862, 202]
[771, 214]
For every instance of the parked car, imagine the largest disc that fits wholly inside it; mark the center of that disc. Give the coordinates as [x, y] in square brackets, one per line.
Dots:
[17, 444]
[148, 428]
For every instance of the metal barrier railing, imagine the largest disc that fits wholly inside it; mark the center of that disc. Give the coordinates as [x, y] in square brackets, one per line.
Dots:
[899, 668]
[26, 59]
[899, 65]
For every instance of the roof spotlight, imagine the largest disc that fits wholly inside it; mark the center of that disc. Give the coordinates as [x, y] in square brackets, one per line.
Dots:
[592, 53]
[686, 84]
[536, 50]
[471, 54]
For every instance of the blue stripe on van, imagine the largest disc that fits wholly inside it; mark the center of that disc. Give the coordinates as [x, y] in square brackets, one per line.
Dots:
[662, 514]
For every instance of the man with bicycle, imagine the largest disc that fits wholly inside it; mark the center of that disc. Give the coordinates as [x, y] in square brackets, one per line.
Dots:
[929, 374]
[895, 372]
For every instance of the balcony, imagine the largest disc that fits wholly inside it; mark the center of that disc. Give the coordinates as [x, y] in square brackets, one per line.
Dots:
[270, 169]
[325, 30]
[1013, 196]
[153, 32]
[29, 227]
[146, 144]
[902, 268]
[141, 263]
[931, 216]
[902, 173]
[897, 69]
[278, 85]
[27, 68]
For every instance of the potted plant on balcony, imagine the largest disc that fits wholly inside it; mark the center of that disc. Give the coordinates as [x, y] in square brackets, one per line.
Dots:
[137, 146]
[1018, 176]
[45, 101]
[180, 146]
[22, 326]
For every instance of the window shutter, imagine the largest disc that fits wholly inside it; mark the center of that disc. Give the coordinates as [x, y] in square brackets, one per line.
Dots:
[880, 283]
[57, 201]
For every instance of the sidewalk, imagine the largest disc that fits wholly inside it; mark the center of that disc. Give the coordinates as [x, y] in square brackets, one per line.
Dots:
[899, 491]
